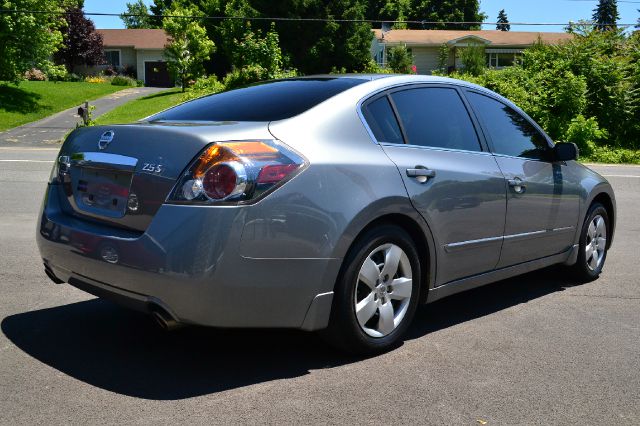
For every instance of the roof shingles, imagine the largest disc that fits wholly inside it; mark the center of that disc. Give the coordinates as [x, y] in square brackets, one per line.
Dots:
[136, 38]
[495, 38]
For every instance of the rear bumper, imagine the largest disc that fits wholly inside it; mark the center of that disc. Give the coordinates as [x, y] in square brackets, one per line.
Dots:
[188, 262]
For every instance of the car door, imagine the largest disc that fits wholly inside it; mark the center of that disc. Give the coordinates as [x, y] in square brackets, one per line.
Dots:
[543, 195]
[451, 179]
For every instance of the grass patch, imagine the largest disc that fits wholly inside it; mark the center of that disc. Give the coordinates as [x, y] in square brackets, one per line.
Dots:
[33, 100]
[140, 108]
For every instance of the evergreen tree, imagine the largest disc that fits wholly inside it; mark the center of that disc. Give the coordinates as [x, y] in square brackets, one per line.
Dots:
[503, 21]
[605, 15]
[157, 9]
[138, 16]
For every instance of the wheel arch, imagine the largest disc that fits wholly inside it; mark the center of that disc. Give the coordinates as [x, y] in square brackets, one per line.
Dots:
[607, 201]
[421, 235]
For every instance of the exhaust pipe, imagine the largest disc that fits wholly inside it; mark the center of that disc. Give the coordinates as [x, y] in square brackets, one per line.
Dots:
[164, 319]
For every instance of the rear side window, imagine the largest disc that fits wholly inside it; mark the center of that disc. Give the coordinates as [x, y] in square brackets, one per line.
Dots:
[275, 100]
[382, 121]
[510, 132]
[436, 117]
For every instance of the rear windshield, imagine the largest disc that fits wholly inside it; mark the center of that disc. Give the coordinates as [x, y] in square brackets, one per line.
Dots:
[271, 101]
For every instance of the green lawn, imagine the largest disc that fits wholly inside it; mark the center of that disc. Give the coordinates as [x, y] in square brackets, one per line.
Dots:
[32, 100]
[141, 108]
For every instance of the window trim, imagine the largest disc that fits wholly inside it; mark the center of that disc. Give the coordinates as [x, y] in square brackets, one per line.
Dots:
[483, 145]
[519, 111]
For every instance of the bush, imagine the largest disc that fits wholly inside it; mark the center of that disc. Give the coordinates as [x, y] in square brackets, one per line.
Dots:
[400, 60]
[473, 59]
[203, 87]
[251, 74]
[35, 74]
[372, 67]
[120, 80]
[585, 133]
[96, 79]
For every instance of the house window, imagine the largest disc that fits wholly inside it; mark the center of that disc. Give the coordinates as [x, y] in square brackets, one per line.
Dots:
[112, 57]
[501, 60]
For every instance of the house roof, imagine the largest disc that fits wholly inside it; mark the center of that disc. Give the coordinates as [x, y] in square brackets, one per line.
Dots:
[138, 39]
[491, 37]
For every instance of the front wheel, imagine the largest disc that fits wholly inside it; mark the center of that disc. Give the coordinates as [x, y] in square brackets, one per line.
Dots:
[593, 244]
[377, 293]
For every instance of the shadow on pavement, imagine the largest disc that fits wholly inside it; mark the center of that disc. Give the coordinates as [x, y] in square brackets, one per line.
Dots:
[124, 352]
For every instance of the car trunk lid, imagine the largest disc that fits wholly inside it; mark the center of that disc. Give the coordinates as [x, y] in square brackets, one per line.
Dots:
[123, 174]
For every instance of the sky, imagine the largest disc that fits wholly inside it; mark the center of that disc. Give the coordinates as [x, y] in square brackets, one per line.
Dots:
[545, 11]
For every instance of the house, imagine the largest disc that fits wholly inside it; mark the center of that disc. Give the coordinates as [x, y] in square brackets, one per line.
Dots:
[138, 51]
[501, 47]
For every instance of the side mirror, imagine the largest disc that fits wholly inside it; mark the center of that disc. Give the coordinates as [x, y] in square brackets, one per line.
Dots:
[565, 152]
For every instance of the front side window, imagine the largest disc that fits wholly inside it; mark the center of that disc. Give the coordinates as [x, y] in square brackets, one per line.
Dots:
[382, 121]
[436, 117]
[112, 57]
[510, 132]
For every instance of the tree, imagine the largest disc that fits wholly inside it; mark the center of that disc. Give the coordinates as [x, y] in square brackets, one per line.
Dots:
[28, 40]
[400, 60]
[605, 15]
[390, 10]
[473, 59]
[82, 44]
[448, 11]
[137, 16]
[189, 45]
[503, 21]
[253, 49]
[638, 24]
[157, 9]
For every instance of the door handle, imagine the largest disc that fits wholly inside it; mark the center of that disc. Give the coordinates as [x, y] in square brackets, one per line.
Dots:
[422, 174]
[518, 185]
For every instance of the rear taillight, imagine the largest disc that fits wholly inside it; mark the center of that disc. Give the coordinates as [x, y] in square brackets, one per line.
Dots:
[236, 172]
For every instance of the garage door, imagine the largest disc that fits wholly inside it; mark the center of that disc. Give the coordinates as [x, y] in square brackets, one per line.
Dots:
[157, 75]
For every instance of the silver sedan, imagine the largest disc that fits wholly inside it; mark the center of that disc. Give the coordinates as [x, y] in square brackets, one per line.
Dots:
[329, 203]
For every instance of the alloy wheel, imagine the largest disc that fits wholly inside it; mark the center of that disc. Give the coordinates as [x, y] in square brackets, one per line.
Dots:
[596, 243]
[383, 291]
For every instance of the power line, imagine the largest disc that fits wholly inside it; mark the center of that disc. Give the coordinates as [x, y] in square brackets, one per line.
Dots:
[286, 19]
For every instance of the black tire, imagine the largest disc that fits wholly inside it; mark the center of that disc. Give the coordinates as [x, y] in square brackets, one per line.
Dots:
[581, 271]
[344, 330]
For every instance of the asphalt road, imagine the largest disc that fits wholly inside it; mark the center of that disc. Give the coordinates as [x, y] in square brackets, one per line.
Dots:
[530, 350]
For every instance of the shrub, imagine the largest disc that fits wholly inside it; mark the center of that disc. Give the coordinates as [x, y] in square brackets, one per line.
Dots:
[120, 80]
[585, 133]
[372, 67]
[473, 59]
[35, 74]
[203, 87]
[129, 71]
[95, 79]
[400, 60]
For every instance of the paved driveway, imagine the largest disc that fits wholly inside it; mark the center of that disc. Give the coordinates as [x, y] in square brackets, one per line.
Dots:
[530, 350]
[52, 129]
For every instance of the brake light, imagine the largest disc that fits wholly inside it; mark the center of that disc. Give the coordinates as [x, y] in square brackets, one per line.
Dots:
[237, 171]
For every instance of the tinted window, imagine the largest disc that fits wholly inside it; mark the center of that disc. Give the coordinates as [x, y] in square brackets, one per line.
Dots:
[382, 121]
[510, 132]
[436, 117]
[270, 101]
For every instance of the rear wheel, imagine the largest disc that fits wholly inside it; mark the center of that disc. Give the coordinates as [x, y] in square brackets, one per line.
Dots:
[593, 244]
[377, 293]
